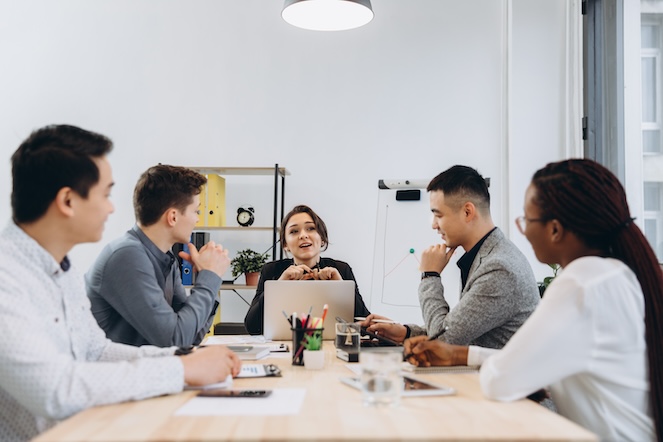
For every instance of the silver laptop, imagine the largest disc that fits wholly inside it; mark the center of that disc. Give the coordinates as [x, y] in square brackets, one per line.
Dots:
[300, 296]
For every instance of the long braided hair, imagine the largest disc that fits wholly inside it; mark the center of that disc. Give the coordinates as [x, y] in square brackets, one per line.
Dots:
[587, 199]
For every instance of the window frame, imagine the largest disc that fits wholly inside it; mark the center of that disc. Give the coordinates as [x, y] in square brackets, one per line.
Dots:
[614, 127]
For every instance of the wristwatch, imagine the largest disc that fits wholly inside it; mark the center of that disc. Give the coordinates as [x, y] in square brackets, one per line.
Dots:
[425, 275]
[184, 350]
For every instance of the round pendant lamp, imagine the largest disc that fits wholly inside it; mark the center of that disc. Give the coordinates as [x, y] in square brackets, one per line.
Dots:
[327, 15]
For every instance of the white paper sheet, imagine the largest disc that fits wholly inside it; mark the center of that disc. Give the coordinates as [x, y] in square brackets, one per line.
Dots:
[282, 401]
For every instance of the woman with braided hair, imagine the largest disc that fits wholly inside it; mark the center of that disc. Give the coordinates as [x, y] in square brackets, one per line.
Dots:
[596, 339]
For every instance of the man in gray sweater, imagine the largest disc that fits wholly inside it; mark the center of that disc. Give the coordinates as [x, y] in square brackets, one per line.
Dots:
[135, 286]
[499, 291]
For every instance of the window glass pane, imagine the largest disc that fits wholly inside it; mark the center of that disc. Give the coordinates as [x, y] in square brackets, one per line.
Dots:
[652, 196]
[652, 237]
[651, 141]
[651, 33]
[649, 89]
[649, 36]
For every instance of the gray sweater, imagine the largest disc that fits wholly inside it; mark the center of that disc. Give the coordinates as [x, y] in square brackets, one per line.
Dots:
[138, 298]
[499, 295]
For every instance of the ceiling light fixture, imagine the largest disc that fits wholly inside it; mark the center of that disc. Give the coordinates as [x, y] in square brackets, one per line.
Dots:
[327, 15]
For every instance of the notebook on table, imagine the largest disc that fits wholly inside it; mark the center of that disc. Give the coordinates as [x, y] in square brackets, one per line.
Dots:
[300, 296]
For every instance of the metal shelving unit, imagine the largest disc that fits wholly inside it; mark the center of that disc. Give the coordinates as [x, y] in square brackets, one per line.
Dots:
[279, 174]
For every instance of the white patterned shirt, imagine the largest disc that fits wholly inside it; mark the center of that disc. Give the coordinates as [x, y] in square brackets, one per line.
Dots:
[54, 359]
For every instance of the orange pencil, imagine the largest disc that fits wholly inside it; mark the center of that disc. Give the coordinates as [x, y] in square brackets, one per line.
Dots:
[324, 312]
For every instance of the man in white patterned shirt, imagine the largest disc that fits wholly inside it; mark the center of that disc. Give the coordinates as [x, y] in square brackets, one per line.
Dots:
[54, 359]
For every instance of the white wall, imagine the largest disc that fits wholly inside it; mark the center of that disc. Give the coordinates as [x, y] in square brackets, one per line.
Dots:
[537, 115]
[228, 83]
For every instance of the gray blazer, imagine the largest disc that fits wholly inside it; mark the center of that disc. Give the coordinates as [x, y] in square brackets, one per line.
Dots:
[500, 294]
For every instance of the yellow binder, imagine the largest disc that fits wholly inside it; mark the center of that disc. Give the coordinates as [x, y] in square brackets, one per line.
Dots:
[213, 202]
[202, 219]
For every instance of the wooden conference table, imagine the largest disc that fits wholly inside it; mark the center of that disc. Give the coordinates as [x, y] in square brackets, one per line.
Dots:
[330, 411]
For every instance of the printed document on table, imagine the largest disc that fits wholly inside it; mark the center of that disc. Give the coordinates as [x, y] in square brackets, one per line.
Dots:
[247, 371]
[282, 402]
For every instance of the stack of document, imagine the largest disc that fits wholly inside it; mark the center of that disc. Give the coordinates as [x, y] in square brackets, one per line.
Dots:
[235, 339]
[249, 352]
[240, 344]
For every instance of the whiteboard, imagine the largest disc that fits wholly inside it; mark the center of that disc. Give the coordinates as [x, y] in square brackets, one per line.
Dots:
[403, 231]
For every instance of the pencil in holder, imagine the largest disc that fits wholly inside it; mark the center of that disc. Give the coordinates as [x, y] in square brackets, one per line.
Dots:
[305, 339]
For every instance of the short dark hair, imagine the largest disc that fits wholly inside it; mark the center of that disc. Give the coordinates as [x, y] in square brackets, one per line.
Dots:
[51, 158]
[462, 183]
[162, 187]
[319, 224]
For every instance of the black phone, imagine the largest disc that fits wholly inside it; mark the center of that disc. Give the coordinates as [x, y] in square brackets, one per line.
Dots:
[235, 393]
[384, 342]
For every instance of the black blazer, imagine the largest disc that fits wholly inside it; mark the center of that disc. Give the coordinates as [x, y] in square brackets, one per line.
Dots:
[273, 270]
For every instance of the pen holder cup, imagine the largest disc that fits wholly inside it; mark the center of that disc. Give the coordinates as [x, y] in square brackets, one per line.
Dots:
[305, 339]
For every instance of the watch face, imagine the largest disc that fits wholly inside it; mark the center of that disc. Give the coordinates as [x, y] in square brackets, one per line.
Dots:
[245, 218]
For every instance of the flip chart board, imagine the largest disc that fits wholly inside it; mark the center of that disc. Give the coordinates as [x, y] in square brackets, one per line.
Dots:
[402, 232]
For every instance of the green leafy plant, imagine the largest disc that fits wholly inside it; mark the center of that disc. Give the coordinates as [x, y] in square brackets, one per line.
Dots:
[247, 261]
[313, 341]
[548, 279]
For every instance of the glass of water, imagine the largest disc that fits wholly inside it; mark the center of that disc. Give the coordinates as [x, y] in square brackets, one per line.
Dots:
[348, 337]
[381, 380]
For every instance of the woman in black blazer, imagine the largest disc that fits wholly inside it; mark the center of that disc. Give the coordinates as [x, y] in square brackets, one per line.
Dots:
[304, 236]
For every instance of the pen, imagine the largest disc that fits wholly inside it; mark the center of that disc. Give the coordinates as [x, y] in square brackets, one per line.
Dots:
[339, 319]
[432, 338]
[325, 309]
[378, 321]
[308, 317]
[286, 317]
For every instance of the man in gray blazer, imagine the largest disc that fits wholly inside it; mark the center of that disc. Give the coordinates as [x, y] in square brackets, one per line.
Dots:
[499, 291]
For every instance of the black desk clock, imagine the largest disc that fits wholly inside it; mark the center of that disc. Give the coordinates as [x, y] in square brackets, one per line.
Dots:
[245, 216]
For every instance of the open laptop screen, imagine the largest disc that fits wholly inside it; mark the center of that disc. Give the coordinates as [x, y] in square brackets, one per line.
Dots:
[300, 296]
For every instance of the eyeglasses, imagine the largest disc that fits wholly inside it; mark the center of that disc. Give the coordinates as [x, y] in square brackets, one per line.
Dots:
[522, 221]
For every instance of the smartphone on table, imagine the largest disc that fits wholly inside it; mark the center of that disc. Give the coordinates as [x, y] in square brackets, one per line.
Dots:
[235, 393]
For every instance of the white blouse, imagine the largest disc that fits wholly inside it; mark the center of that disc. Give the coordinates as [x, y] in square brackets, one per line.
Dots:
[586, 342]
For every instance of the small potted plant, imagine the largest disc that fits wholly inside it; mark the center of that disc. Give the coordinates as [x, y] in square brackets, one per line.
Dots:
[250, 263]
[548, 279]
